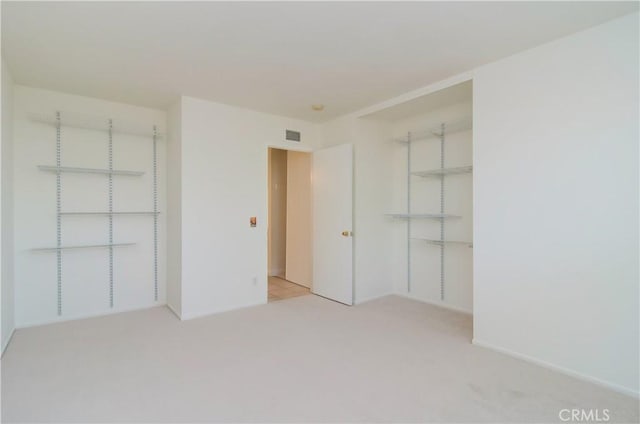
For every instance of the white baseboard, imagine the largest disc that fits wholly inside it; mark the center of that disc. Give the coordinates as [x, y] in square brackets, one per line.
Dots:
[557, 368]
[435, 303]
[6, 344]
[185, 317]
[370, 298]
[276, 272]
[87, 316]
[174, 311]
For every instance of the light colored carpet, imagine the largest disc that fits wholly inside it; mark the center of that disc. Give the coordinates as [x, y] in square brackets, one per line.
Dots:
[304, 359]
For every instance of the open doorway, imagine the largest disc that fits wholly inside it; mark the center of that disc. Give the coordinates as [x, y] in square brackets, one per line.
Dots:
[289, 234]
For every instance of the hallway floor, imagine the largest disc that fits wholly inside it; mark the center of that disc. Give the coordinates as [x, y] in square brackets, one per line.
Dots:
[280, 289]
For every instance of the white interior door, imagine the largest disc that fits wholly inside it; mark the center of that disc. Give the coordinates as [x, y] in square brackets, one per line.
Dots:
[333, 223]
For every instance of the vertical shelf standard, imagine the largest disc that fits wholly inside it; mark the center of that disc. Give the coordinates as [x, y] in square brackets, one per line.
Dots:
[409, 212]
[58, 217]
[110, 213]
[155, 214]
[442, 129]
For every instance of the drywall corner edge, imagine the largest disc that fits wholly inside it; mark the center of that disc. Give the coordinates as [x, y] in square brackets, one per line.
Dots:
[6, 341]
[174, 311]
[7, 245]
[174, 207]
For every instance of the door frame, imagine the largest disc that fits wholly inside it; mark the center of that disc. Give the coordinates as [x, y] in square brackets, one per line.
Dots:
[303, 149]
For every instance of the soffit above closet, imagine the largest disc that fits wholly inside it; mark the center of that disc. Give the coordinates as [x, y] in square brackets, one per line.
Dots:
[449, 96]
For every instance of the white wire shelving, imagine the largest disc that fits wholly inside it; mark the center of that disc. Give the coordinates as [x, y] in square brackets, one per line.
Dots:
[444, 171]
[108, 213]
[63, 169]
[422, 215]
[439, 133]
[93, 123]
[108, 129]
[75, 247]
[443, 242]
[435, 133]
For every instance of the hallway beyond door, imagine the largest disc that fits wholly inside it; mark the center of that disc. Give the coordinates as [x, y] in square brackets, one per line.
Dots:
[280, 289]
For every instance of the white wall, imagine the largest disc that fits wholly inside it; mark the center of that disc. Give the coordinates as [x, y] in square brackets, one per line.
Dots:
[299, 219]
[425, 198]
[277, 212]
[174, 208]
[85, 272]
[224, 148]
[224, 183]
[556, 204]
[373, 186]
[8, 311]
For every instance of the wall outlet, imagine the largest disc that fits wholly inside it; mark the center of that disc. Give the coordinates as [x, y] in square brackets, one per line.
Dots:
[255, 281]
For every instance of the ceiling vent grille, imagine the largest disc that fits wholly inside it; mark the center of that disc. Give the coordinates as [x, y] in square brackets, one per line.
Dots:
[292, 135]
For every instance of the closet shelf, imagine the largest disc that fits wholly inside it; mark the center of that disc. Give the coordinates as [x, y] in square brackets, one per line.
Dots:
[422, 215]
[91, 246]
[93, 124]
[444, 171]
[443, 242]
[436, 132]
[56, 170]
[110, 213]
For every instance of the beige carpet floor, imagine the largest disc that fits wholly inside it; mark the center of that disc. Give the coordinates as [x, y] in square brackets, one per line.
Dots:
[304, 359]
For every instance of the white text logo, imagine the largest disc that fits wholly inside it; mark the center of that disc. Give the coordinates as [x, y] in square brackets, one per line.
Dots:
[584, 415]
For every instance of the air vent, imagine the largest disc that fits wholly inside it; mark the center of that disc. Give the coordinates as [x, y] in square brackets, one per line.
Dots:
[292, 135]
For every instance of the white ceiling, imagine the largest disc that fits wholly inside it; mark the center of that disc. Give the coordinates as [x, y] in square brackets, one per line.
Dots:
[273, 57]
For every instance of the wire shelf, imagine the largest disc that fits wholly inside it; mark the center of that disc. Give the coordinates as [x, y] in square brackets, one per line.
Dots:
[90, 246]
[443, 242]
[109, 213]
[422, 215]
[56, 170]
[444, 171]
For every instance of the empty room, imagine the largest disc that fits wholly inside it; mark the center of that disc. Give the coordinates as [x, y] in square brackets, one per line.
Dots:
[320, 212]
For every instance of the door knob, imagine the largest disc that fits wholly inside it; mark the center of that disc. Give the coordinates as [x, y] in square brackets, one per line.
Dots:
[346, 233]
